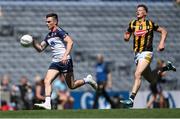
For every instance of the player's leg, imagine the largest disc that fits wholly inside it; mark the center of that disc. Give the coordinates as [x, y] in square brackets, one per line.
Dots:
[73, 84]
[150, 76]
[153, 76]
[141, 66]
[97, 95]
[169, 67]
[143, 61]
[107, 97]
[68, 74]
[50, 76]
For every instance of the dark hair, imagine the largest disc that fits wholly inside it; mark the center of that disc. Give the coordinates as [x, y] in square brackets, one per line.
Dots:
[54, 15]
[144, 6]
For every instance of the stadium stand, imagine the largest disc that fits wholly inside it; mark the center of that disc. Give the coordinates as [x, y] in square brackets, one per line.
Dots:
[96, 27]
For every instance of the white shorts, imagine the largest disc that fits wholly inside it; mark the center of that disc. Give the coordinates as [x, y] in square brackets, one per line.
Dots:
[147, 55]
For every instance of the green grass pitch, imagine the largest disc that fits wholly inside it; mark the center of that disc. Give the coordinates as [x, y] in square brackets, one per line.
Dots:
[93, 113]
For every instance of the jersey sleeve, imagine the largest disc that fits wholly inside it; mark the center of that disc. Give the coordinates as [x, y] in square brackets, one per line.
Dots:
[45, 39]
[155, 26]
[130, 27]
[62, 34]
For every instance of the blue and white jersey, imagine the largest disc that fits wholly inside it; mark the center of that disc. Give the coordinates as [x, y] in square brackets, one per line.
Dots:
[55, 40]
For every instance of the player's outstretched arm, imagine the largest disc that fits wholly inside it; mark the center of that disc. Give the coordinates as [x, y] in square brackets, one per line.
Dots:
[163, 32]
[39, 46]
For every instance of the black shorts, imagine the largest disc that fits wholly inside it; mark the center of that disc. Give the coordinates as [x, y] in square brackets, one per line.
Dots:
[62, 68]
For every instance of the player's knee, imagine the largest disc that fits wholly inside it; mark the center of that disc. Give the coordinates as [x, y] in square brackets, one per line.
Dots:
[71, 87]
[137, 75]
[47, 81]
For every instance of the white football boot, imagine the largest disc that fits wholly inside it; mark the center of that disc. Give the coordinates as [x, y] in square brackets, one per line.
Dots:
[44, 105]
[89, 79]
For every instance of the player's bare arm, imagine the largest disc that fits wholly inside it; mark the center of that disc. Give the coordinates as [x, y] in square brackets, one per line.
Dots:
[109, 82]
[127, 36]
[69, 42]
[39, 46]
[163, 32]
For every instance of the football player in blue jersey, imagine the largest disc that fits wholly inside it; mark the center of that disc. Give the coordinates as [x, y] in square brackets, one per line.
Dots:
[61, 44]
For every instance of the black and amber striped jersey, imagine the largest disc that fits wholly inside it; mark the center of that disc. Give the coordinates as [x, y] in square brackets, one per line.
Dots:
[142, 34]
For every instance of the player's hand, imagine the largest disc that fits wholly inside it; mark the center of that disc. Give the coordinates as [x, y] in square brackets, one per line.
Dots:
[161, 47]
[64, 59]
[127, 36]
